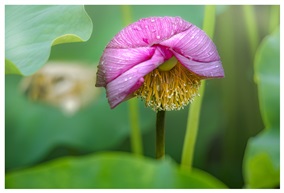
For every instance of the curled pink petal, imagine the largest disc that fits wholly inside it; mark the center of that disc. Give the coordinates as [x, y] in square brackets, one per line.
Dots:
[205, 70]
[114, 62]
[193, 44]
[119, 89]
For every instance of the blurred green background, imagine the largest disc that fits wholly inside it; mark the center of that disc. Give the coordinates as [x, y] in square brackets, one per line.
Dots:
[230, 112]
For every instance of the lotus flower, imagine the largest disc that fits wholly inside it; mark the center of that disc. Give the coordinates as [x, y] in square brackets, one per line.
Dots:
[161, 60]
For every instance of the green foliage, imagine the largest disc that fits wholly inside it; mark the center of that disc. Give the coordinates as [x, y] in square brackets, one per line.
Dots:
[262, 156]
[10, 68]
[267, 77]
[47, 127]
[30, 31]
[262, 160]
[36, 132]
[110, 170]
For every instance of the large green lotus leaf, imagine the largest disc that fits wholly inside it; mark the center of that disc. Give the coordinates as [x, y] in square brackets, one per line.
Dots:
[267, 77]
[261, 166]
[31, 30]
[262, 160]
[110, 170]
[33, 129]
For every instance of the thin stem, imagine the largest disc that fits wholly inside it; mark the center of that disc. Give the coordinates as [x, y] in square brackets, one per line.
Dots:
[251, 26]
[160, 134]
[209, 20]
[192, 129]
[126, 14]
[274, 17]
[195, 107]
[136, 138]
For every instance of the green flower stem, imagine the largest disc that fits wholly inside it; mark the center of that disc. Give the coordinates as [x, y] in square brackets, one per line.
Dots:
[251, 26]
[274, 17]
[195, 107]
[136, 138]
[209, 20]
[160, 134]
[192, 129]
[126, 14]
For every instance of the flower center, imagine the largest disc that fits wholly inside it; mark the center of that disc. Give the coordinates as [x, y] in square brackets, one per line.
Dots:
[169, 87]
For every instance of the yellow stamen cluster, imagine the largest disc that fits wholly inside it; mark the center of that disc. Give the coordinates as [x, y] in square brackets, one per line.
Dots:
[169, 90]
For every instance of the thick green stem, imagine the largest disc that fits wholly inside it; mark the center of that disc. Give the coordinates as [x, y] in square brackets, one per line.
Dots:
[160, 134]
[195, 107]
[136, 138]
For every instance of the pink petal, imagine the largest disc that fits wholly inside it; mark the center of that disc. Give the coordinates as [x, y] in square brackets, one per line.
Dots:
[193, 44]
[148, 31]
[120, 88]
[114, 62]
[212, 69]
